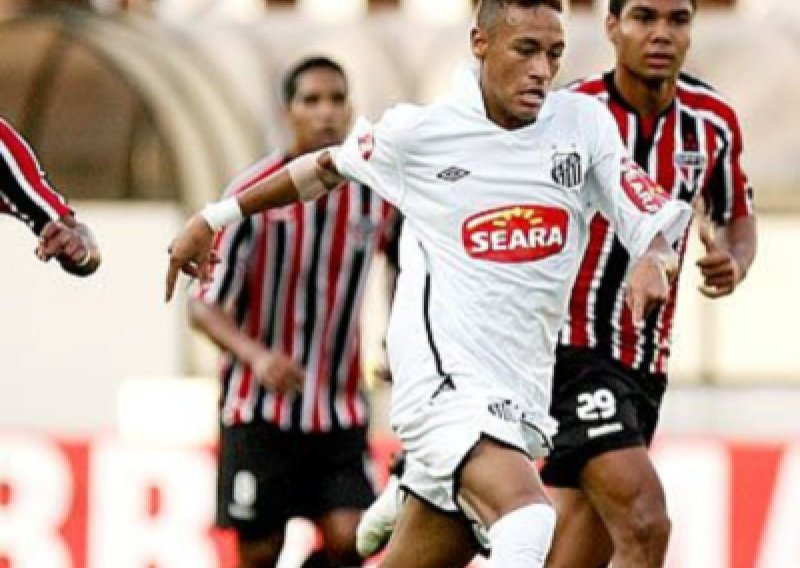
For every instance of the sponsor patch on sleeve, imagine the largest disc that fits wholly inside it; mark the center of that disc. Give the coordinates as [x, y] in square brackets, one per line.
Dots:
[642, 191]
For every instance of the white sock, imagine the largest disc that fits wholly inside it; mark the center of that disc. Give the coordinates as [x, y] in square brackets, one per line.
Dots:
[521, 539]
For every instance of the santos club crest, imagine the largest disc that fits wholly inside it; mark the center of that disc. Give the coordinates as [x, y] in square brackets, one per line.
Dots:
[567, 169]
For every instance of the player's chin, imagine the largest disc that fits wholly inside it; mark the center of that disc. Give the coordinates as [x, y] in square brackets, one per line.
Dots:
[659, 74]
[328, 137]
[526, 114]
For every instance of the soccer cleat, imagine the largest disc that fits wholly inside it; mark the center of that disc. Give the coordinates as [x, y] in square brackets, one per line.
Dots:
[377, 523]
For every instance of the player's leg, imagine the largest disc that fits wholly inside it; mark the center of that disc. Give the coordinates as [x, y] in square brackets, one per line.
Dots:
[517, 512]
[339, 473]
[581, 539]
[425, 537]
[260, 551]
[255, 491]
[377, 523]
[606, 411]
[626, 492]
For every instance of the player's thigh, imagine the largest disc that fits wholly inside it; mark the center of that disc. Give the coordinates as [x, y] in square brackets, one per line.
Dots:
[256, 492]
[601, 407]
[581, 539]
[478, 486]
[425, 537]
[625, 489]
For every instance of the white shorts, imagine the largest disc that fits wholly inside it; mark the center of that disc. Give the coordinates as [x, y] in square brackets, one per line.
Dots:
[441, 431]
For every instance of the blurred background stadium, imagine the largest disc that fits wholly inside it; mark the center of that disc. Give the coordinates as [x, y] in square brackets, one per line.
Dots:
[141, 110]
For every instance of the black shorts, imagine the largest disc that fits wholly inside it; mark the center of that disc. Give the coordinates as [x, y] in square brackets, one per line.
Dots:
[600, 406]
[267, 476]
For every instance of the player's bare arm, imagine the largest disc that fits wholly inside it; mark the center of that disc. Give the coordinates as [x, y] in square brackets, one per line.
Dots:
[729, 253]
[72, 244]
[650, 277]
[305, 178]
[272, 369]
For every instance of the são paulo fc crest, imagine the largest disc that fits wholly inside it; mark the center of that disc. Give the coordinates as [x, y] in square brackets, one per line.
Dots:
[567, 169]
[690, 166]
[515, 233]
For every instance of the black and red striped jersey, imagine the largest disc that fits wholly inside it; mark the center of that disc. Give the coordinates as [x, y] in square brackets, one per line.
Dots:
[294, 278]
[692, 148]
[24, 190]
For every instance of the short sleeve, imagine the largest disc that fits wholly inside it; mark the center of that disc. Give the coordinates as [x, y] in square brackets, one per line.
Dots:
[24, 189]
[636, 206]
[729, 193]
[233, 246]
[372, 155]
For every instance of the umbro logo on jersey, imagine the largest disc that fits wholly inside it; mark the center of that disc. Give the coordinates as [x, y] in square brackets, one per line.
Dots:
[567, 169]
[516, 233]
[452, 174]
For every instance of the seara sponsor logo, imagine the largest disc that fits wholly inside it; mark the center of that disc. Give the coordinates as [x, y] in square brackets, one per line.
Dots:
[515, 233]
[643, 192]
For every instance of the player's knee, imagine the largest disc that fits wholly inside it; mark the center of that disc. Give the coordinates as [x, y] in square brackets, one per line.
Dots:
[649, 526]
[652, 529]
[340, 548]
[258, 556]
[263, 553]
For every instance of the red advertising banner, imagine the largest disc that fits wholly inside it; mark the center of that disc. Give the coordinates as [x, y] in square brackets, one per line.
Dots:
[101, 503]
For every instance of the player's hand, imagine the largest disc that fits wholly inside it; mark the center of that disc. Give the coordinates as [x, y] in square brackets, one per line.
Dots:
[57, 239]
[190, 253]
[721, 272]
[72, 244]
[648, 283]
[277, 371]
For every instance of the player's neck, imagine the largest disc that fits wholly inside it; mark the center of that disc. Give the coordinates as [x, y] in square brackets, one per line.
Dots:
[648, 98]
[298, 148]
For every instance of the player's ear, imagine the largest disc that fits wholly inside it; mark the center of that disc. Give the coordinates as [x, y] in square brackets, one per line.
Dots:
[479, 42]
[612, 24]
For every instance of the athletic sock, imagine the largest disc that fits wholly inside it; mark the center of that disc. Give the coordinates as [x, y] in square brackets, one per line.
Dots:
[522, 538]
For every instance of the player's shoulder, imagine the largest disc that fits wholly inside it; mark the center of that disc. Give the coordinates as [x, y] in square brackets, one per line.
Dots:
[404, 116]
[697, 94]
[6, 129]
[593, 85]
[576, 105]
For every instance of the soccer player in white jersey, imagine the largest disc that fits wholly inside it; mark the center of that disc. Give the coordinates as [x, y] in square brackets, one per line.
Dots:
[497, 183]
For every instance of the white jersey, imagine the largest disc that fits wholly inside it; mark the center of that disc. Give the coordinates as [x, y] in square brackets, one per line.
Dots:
[496, 224]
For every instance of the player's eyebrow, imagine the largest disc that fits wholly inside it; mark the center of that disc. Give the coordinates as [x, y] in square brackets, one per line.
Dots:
[528, 42]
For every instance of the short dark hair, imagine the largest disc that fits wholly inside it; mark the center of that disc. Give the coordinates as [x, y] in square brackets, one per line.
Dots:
[305, 65]
[488, 9]
[615, 6]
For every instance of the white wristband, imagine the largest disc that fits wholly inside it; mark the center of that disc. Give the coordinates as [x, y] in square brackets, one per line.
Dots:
[222, 213]
[304, 174]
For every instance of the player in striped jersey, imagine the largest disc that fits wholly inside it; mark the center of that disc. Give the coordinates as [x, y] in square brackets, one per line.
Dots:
[610, 375]
[26, 194]
[284, 307]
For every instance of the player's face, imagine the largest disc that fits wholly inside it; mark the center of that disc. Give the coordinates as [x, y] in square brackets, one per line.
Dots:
[320, 112]
[520, 55]
[651, 37]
